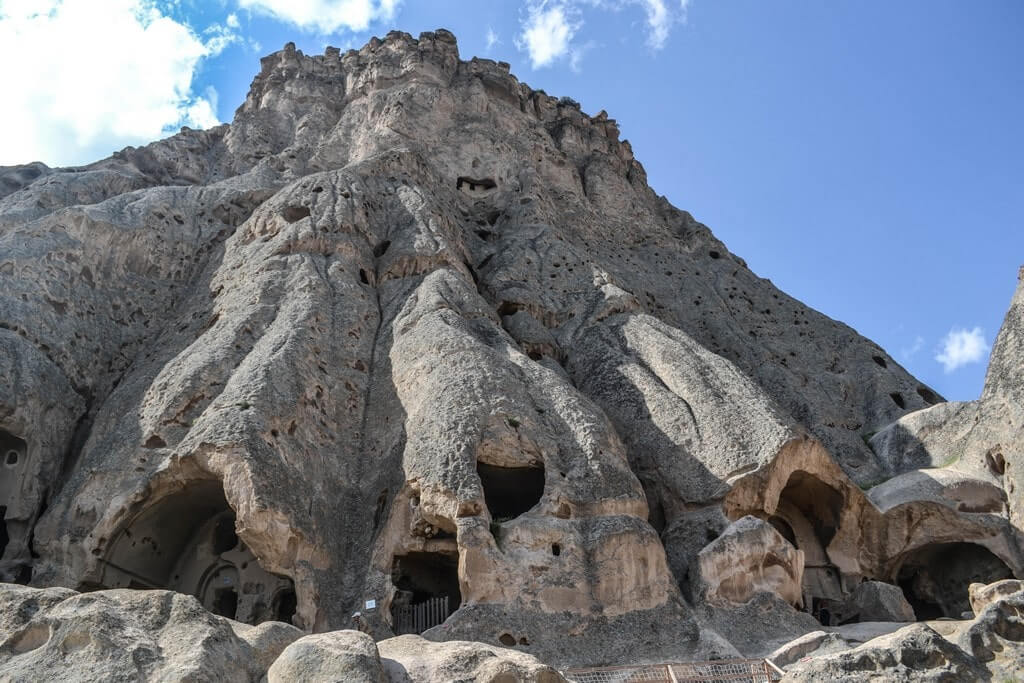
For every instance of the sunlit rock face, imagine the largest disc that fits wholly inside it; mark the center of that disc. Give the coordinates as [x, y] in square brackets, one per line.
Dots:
[410, 339]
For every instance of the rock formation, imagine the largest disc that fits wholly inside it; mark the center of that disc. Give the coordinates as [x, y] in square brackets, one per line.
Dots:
[411, 347]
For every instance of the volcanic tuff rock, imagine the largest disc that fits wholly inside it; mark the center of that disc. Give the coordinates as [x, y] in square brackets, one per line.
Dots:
[412, 339]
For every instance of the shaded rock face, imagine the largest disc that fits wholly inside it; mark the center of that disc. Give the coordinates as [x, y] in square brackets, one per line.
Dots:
[410, 339]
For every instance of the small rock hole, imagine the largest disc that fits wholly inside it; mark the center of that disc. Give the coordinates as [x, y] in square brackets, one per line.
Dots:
[556, 549]
[507, 639]
[898, 400]
[295, 213]
[928, 395]
[381, 248]
[879, 361]
[362, 277]
[155, 442]
[714, 254]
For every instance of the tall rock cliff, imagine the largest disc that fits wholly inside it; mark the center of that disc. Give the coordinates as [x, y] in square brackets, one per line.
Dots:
[410, 339]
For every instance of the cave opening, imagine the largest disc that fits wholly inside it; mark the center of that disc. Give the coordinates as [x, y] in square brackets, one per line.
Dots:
[187, 542]
[426, 590]
[510, 491]
[935, 577]
[808, 515]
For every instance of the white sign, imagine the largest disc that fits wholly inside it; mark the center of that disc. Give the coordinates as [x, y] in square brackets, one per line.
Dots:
[371, 604]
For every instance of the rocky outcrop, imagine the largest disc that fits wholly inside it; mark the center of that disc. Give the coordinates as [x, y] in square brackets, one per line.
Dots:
[411, 340]
[914, 653]
[409, 658]
[58, 634]
[335, 656]
[877, 601]
[750, 557]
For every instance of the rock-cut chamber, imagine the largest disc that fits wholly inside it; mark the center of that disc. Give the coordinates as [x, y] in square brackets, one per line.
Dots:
[187, 542]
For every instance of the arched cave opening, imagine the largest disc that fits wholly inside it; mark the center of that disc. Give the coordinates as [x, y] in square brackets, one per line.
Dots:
[935, 577]
[13, 458]
[426, 590]
[808, 515]
[187, 542]
[510, 491]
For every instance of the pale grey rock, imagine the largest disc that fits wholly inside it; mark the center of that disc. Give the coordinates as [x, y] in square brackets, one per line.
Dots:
[334, 657]
[407, 318]
[996, 636]
[979, 440]
[982, 595]
[57, 634]
[267, 640]
[913, 653]
[412, 659]
[750, 557]
[877, 601]
[814, 644]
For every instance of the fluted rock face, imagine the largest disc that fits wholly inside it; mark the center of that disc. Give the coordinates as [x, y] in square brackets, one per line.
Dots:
[410, 332]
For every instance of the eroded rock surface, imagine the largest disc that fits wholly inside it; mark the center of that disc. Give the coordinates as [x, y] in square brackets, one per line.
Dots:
[412, 340]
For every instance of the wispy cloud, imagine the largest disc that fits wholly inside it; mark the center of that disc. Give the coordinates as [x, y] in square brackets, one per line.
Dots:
[325, 16]
[909, 352]
[492, 39]
[65, 111]
[547, 32]
[961, 347]
[550, 27]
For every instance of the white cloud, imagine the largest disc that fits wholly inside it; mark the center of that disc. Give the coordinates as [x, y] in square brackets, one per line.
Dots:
[549, 26]
[325, 16]
[909, 352]
[547, 32]
[961, 347]
[83, 78]
[492, 39]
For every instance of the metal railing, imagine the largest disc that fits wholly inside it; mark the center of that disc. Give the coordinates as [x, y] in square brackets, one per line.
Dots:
[732, 670]
[421, 616]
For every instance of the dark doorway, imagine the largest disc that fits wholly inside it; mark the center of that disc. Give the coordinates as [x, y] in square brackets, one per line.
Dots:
[510, 491]
[427, 590]
[820, 504]
[935, 578]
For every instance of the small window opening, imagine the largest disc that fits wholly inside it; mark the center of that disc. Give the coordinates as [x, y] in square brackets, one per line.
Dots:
[11, 459]
[362, 277]
[929, 396]
[898, 400]
[224, 536]
[556, 549]
[879, 361]
[714, 254]
[295, 213]
[510, 491]
[507, 639]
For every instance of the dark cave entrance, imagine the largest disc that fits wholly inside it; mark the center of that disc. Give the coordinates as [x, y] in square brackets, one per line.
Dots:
[427, 590]
[187, 542]
[808, 515]
[935, 577]
[510, 491]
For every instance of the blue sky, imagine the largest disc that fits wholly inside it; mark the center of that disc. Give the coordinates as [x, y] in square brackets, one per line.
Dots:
[867, 157]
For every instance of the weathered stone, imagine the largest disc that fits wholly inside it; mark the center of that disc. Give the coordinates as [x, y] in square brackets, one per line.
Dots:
[914, 653]
[56, 634]
[982, 595]
[996, 636]
[750, 557]
[410, 659]
[814, 644]
[335, 657]
[877, 601]
[409, 335]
